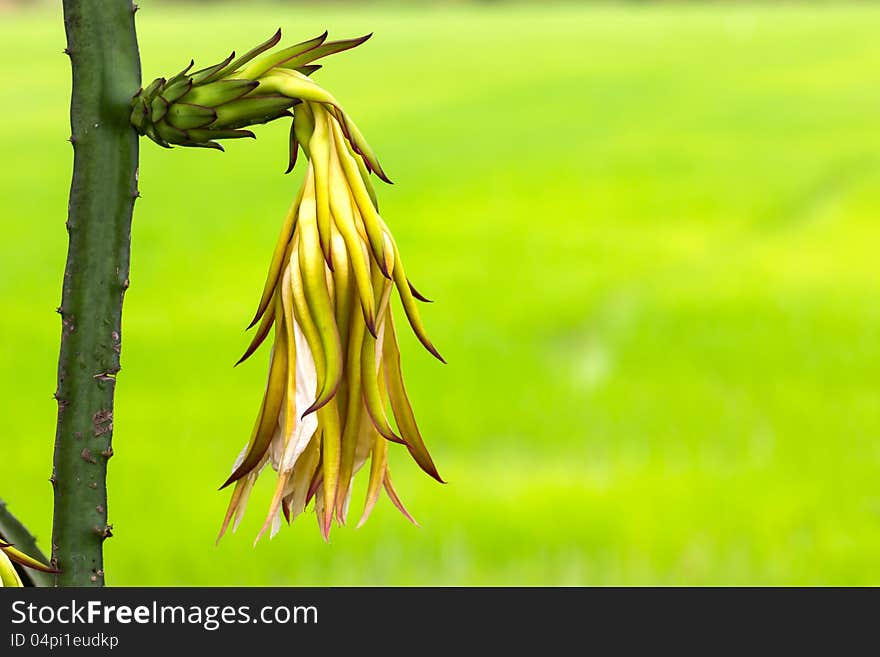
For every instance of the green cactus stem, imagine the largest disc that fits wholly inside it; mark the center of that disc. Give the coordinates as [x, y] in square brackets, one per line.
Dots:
[102, 46]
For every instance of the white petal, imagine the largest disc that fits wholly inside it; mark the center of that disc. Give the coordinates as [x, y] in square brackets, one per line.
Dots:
[276, 525]
[347, 502]
[248, 486]
[276, 446]
[240, 458]
[306, 391]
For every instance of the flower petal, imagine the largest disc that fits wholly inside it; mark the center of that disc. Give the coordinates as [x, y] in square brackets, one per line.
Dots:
[8, 576]
[377, 475]
[403, 413]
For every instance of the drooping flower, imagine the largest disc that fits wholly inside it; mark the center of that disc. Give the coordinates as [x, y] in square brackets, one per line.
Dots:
[335, 363]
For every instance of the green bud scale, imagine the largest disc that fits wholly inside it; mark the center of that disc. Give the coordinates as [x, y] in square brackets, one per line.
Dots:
[218, 102]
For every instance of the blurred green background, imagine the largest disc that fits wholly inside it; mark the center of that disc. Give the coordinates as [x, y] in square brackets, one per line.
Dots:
[652, 235]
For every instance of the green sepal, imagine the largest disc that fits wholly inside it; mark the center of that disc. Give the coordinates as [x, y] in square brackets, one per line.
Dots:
[303, 127]
[158, 109]
[176, 90]
[308, 69]
[252, 109]
[261, 66]
[156, 137]
[271, 42]
[218, 93]
[294, 148]
[170, 134]
[206, 134]
[263, 119]
[150, 90]
[139, 114]
[208, 144]
[206, 74]
[322, 51]
[182, 75]
[186, 116]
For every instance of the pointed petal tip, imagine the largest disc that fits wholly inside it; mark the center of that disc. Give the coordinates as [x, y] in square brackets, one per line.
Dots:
[316, 406]
[436, 354]
[326, 525]
[376, 168]
[286, 509]
[394, 438]
[418, 295]
[395, 498]
[357, 41]
[432, 472]
[370, 321]
[323, 399]
[310, 409]
[313, 487]
[383, 268]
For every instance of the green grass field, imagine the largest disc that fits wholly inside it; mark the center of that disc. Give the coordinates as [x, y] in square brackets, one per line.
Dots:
[652, 235]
